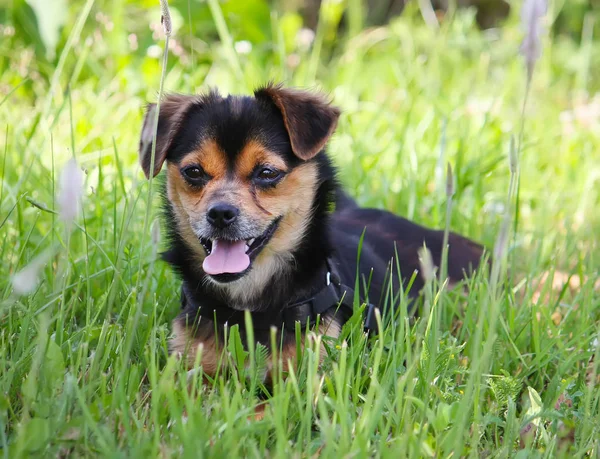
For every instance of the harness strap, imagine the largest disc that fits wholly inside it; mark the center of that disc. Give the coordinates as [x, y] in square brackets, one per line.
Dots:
[333, 295]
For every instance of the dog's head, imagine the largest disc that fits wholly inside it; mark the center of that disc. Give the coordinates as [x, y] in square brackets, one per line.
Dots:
[241, 175]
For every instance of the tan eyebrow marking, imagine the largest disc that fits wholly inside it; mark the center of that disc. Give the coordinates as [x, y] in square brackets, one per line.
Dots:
[210, 156]
[254, 154]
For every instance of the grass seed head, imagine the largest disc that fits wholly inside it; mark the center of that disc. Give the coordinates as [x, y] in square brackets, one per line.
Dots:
[25, 281]
[531, 15]
[513, 158]
[70, 191]
[166, 17]
[449, 182]
[426, 262]
[502, 241]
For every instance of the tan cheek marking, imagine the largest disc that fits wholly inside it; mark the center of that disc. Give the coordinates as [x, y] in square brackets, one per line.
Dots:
[252, 155]
[293, 199]
[296, 190]
[180, 208]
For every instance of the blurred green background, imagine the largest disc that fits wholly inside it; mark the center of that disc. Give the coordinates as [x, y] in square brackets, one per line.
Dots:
[420, 85]
[122, 35]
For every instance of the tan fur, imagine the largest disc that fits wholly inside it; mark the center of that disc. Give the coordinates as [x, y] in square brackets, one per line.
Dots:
[210, 157]
[292, 198]
[186, 344]
[288, 355]
[283, 200]
[175, 183]
[254, 154]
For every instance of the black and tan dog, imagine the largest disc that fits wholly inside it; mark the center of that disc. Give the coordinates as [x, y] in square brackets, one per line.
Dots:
[258, 222]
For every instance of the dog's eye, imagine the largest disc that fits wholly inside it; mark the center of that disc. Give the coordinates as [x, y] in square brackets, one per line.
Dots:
[268, 175]
[194, 174]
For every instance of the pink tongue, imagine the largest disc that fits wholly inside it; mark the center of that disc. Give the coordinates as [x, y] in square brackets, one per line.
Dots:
[226, 257]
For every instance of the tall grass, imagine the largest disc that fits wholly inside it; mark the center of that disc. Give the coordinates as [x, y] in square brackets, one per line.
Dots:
[508, 369]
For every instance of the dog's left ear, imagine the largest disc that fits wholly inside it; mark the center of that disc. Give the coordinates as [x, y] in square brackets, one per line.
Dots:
[172, 112]
[309, 119]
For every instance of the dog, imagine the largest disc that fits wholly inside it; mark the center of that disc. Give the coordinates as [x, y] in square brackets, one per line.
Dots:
[257, 222]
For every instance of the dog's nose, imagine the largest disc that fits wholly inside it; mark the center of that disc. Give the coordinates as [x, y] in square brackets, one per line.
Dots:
[222, 215]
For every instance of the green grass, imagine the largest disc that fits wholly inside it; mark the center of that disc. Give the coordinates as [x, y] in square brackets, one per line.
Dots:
[84, 367]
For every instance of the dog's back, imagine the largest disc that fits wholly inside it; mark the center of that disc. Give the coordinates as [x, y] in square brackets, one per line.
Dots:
[390, 243]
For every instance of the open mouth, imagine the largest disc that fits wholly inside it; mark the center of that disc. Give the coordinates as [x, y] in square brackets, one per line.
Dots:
[228, 260]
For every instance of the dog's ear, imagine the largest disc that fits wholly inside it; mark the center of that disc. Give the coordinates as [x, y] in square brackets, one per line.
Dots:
[172, 112]
[309, 118]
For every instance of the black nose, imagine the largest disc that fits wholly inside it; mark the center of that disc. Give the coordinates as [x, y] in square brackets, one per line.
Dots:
[222, 215]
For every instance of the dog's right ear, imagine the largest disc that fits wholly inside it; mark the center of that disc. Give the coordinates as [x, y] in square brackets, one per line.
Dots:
[172, 112]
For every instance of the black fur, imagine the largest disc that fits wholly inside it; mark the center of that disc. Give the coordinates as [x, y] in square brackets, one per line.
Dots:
[232, 122]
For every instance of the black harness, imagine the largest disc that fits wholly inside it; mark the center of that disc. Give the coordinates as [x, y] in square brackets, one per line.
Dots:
[333, 295]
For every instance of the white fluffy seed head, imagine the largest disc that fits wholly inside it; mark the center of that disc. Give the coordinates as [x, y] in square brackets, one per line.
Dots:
[532, 13]
[25, 281]
[501, 245]
[426, 262]
[70, 191]
[166, 17]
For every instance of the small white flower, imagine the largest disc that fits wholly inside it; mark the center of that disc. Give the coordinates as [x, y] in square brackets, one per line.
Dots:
[494, 207]
[25, 281]
[154, 51]
[243, 47]
[293, 60]
[70, 191]
[133, 41]
[305, 38]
